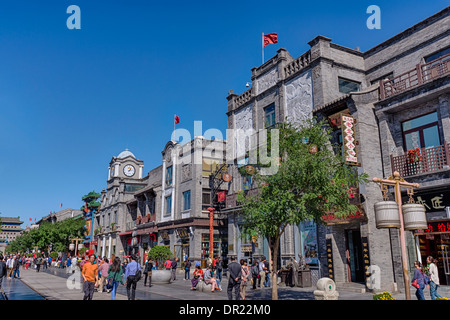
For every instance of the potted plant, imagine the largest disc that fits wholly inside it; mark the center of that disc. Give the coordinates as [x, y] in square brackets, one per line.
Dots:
[414, 155]
[160, 254]
[113, 226]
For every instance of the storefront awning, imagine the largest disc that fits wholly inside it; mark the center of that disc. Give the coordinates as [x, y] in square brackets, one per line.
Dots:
[125, 233]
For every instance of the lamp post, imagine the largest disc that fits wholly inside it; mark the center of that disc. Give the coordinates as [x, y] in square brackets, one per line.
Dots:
[76, 244]
[398, 182]
[211, 232]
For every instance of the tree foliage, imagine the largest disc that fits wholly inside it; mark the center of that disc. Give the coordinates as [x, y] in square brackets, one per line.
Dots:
[56, 234]
[307, 186]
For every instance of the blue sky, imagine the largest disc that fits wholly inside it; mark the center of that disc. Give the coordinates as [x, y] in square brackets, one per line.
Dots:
[70, 100]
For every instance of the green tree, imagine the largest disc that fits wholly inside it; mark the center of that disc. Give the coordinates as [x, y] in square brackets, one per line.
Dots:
[307, 185]
[160, 254]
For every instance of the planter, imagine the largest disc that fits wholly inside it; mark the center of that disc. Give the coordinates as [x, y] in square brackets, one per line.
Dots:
[161, 276]
[414, 216]
[386, 215]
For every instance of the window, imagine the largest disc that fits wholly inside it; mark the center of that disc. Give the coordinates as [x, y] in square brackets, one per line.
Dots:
[437, 55]
[169, 205]
[187, 200]
[209, 166]
[169, 171]
[206, 199]
[421, 132]
[346, 86]
[269, 116]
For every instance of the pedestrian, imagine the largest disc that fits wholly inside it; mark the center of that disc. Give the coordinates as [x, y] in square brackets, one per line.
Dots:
[174, 265]
[90, 277]
[38, 263]
[434, 277]
[234, 282]
[262, 272]
[74, 264]
[27, 263]
[9, 265]
[187, 269]
[3, 269]
[148, 272]
[267, 270]
[219, 268]
[69, 264]
[132, 277]
[115, 272]
[210, 279]
[16, 268]
[103, 270]
[197, 276]
[419, 280]
[255, 274]
[245, 274]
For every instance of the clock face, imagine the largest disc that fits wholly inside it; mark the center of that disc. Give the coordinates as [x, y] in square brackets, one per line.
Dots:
[129, 170]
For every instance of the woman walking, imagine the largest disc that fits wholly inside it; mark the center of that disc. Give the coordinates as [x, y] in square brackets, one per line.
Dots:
[115, 272]
[420, 279]
[434, 277]
[148, 272]
[245, 273]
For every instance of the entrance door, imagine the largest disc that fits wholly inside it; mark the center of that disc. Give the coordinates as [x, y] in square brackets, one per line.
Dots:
[181, 250]
[354, 255]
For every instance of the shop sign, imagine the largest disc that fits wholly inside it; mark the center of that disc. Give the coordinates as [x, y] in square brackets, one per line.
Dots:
[436, 227]
[331, 219]
[183, 233]
[330, 265]
[349, 141]
[436, 201]
[366, 257]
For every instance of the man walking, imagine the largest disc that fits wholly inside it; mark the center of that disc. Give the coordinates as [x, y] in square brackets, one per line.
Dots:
[174, 265]
[131, 277]
[235, 279]
[3, 269]
[90, 276]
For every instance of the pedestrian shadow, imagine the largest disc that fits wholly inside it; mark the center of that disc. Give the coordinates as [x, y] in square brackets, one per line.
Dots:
[283, 294]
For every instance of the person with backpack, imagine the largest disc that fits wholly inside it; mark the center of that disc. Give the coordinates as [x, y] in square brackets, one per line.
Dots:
[132, 276]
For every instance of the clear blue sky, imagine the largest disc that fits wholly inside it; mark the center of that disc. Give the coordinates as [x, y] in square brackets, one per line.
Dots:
[70, 100]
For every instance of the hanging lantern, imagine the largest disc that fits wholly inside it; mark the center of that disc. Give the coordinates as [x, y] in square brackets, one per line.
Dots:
[414, 216]
[386, 215]
[80, 246]
[71, 247]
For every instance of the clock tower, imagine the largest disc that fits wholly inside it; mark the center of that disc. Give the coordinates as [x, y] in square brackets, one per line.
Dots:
[125, 166]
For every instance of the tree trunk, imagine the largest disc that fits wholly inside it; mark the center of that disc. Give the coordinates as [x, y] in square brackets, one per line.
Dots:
[273, 252]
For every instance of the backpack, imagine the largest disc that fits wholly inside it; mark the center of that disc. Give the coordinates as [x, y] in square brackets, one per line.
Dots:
[168, 264]
[137, 276]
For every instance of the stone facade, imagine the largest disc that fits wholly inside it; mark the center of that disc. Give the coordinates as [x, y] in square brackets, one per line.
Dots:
[314, 84]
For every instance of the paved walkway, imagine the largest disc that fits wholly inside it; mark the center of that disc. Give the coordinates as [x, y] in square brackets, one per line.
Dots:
[54, 284]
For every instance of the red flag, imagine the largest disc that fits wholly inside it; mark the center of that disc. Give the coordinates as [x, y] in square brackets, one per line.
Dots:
[60, 205]
[177, 119]
[270, 38]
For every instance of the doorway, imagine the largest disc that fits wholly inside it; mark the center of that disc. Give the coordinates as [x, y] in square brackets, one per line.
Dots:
[181, 251]
[354, 256]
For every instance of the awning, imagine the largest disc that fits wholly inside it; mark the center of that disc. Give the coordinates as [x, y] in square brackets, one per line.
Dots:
[125, 233]
[145, 231]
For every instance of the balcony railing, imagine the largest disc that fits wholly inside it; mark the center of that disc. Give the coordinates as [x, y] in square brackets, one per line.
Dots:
[431, 160]
[421, 74]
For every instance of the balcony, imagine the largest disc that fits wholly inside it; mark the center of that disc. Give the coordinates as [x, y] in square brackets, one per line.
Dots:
[433, 159]
[421, 74]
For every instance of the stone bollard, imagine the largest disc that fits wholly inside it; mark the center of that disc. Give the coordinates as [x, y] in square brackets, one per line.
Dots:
[326, 290]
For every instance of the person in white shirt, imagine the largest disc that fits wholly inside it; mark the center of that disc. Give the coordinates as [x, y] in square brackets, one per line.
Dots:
[434, 277]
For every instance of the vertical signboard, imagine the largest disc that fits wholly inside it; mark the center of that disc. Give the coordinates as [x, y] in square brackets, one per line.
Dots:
[330, 265]
[348, 139]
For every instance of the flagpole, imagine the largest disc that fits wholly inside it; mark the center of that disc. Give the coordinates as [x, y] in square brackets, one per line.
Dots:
[262, 45]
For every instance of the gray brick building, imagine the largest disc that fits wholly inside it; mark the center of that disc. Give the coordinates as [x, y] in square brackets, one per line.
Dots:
[397, 93]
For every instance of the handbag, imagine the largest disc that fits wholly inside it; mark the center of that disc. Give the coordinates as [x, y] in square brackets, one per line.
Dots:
[414, 284]
[109, 284]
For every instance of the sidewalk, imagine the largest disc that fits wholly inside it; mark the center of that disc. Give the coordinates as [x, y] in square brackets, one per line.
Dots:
[52, 284]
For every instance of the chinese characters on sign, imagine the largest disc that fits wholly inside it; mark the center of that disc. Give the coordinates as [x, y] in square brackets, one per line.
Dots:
[330, 265]
[436, 226]
[348, 135]
[366, 257]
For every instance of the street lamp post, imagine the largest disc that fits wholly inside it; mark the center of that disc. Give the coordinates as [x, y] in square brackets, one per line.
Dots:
[76, 244]
[398, 182]
[211, 232]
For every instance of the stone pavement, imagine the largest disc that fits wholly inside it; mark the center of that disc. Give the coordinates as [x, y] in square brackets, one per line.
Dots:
[52, 284]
